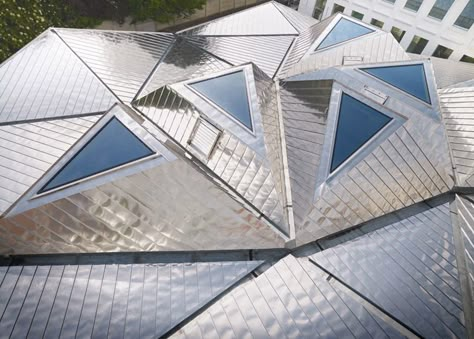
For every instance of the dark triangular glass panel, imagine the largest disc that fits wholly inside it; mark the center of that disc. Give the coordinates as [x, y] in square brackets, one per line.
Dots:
[230, 93]
[343, 31]
[114, 145]
[357, 124]
[408, 78]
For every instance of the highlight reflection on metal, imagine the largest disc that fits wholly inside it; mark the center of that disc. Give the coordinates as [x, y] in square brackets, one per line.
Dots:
[30, 149]
[292, 299]
[403, 169]
[46, 80]
[408, 268]
[256, 178]
[267, 52]
[465, 211]
[183, 61]
[137, 300]
[122, 60]
[457, 106]
[372, 48]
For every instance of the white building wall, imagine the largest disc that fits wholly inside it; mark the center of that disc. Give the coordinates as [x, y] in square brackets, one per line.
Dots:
[437, 32]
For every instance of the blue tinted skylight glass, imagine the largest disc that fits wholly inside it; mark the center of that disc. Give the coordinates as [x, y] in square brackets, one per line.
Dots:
[409, 78]
[112, 146]
[343, 31]
[228, 92]
[357, 123]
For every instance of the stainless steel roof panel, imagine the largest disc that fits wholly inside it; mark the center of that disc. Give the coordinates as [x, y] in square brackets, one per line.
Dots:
[457, 107]
[267, 52]
[401, 168]
[448, 72]
[299, 21]
[45, 80]
[30, 149]
[256, 174]
[465, 249]
[304, 106]
[371, 48]
[303, 42]
[408, 268]
[264, 19]
[142, 300]
[122, 60]
[183, 61]
[140, 213]
[290, 299]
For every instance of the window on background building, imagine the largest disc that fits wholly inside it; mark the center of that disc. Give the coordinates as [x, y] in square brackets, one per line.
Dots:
[442, 52]
[417, 45]
[338, 9]
[440, 8]
[376, 23]
[319, 9]
[414, 5]
[391, 1]
[397, 33]
[466, 58]
[466, 18]
[357, 15]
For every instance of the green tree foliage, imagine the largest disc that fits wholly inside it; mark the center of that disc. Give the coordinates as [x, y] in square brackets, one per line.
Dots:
[162, 10]
[23, 20]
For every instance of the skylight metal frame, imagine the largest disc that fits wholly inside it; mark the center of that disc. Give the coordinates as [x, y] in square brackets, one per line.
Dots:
[32, 199]
[427, 74]
[248, 84]
[324, 175]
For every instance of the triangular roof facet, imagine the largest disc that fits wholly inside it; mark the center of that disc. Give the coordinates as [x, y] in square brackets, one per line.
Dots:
[357, 124]
[264, 19]
[409, 78]
[47, 80]
[122, 60]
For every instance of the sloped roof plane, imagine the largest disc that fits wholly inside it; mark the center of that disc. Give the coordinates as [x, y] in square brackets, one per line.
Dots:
[259, 175]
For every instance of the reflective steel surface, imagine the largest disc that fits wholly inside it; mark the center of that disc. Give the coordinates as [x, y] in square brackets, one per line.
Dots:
[382, 246]
[292, 299]
[30, 149]
[408, 268]
[267, 52]
[457, 106]
[97, 301]
[264, 19]
[46, 79]
[182, 61]
[122, 61]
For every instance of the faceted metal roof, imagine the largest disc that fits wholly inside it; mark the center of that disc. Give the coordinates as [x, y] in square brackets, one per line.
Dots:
[252, 231]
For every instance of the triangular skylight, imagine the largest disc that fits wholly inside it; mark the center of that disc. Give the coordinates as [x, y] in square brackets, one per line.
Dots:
[344, 30]
[114, 145]
[229, 92]
[357, 124]
[408, 78]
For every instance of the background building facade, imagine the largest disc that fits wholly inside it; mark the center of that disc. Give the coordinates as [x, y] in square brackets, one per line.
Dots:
[442, 28]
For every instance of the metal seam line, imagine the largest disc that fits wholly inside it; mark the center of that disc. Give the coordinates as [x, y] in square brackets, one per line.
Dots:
[371, 306]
